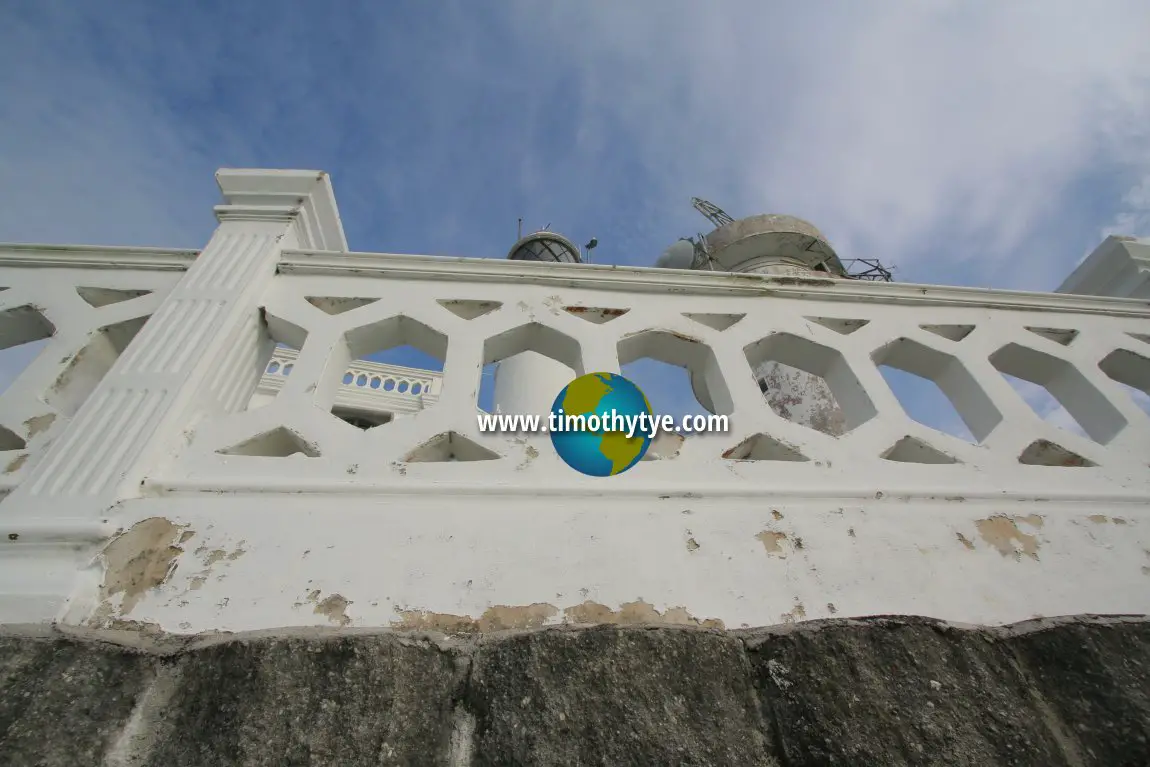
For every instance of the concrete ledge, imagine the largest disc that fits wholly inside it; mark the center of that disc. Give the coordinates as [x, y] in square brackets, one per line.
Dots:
[884, 691]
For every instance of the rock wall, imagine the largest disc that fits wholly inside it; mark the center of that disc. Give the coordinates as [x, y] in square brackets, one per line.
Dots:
[882, 691]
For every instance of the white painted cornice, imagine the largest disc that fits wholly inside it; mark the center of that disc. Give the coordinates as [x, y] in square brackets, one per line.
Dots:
[301, 196]
[95, 257]
[652, 280]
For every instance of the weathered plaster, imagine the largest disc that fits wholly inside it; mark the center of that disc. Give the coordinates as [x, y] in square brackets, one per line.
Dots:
[241, 513]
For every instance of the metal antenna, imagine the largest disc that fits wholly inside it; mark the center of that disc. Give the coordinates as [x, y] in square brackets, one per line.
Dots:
[712, 212]
[520, 235]
[872, 270]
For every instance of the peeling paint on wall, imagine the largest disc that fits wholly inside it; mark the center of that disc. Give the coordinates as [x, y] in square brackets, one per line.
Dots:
[771, 541]
[137, 561]
[39, 423]
[796, 614]
[495, 618]
[1003, 534]
[505, 617]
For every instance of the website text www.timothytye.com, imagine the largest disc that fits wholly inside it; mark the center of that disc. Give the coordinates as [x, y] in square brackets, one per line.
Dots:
[612, 421]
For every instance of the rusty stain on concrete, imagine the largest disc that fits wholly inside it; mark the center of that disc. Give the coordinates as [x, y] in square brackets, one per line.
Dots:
[39, 423]
[140, 559]
[1119, 521]
[692, 544]
[771, 540]
[15, 464]
[1098, 519]
[776, 514]
[965, 541]
[1003, 534]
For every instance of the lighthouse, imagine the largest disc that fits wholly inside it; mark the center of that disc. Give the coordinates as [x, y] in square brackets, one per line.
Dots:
[528, 382]
[777, 245]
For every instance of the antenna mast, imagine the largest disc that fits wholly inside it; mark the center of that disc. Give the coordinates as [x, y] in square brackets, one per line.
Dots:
[712, 212]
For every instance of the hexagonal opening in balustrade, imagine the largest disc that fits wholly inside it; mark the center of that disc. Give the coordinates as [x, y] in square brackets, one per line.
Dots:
[525, 368]
[809, 383]
[935, 389]
[277, 343]
[24, 332]
[397, 371]
[1058, 392]
[679, 374]
[87, 367]
[1131, 371]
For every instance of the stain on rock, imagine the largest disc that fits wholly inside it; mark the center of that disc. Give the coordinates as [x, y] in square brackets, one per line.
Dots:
[965, 541]
[39, 423]
[1003, 534]
[140, 559]
[772, 542]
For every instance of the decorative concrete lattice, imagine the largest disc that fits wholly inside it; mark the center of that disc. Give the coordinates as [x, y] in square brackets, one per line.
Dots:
[720, 328]
[82, 307]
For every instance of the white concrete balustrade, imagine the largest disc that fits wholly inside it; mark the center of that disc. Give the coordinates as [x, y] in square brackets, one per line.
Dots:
[171, 413]
[369, 389]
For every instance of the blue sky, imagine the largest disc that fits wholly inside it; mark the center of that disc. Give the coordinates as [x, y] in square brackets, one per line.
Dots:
[975, 143]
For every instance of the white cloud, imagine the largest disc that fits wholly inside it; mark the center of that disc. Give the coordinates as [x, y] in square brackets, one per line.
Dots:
[907, 130]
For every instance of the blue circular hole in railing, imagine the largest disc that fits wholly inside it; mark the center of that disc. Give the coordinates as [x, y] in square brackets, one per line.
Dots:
[362, 380]
[348, 378]
[287, 369]
[274, 367]
[416, 388]
[375, 383]
[402, 387]
[389, 384]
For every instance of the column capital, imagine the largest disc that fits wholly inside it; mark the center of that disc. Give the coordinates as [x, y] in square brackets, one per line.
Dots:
[302, 197]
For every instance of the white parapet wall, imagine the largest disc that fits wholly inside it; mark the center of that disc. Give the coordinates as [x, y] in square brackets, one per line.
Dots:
[160, 494]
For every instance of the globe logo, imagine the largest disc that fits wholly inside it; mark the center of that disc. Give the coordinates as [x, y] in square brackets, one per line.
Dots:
[588, 424]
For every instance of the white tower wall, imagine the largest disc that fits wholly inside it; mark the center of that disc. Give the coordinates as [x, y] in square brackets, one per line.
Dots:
[528, 383]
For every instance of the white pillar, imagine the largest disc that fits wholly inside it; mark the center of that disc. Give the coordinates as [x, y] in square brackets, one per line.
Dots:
[198, 355]
[528, 383]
